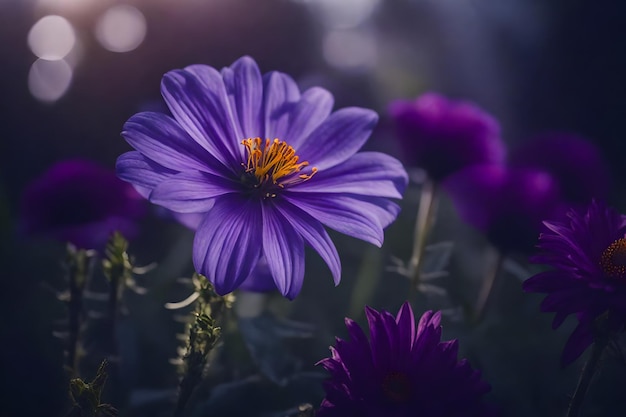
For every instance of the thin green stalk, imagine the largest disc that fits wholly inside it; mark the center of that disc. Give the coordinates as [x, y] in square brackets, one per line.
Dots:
[487, 288]
[423, 224]
[586, 377]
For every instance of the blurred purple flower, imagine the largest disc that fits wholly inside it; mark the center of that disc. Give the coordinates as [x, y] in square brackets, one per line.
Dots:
[588, 257]
[576, 164]
[260, 196]
[402, 371]
[80, 202]
[443, 136]
[507, 204]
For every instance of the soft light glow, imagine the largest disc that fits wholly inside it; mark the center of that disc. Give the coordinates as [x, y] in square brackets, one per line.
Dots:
[67, 6]
[344, 14]
[350, 49]
[121, 28]
[49, 80]
[51, 38]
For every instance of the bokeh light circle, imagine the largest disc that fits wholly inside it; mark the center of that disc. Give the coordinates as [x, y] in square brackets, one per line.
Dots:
[121, 28]
[51, 38]
[48, 81]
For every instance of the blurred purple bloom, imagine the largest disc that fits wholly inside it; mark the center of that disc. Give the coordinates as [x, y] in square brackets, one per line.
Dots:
[80, 202]
[507, 204]
[443, 136]
[588, 256]
[265, 166]
[576, 164]
[402, 371]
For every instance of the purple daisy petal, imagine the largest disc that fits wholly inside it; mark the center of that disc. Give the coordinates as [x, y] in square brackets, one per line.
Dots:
[283, 248]
[360, 217]
[191, 191]
[143, 173]
[389, 376]
[313, 108]
[339, 137]
[244, 86]
[314, 235]
[366, 173]
[227, 259]
[159, 138]
[280, 96]
[580, 339]
[197, 98]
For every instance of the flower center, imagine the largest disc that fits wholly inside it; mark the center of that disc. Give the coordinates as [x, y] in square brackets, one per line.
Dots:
[274, 162]
[613, 260]
[397, 387]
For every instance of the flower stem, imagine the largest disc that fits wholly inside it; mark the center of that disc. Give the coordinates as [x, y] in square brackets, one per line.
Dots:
[78, 271]
[586, 376]
[487, 288]
[423, 224]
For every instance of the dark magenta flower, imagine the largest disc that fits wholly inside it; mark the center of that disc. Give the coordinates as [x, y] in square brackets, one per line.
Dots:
[80, 202]
[402, 371]
[265, 166]
[506, 204]
[443, 136]
[577, 165]
[588, 255]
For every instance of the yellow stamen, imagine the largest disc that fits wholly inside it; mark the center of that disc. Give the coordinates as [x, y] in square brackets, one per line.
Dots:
[274, 162]
[613, 260]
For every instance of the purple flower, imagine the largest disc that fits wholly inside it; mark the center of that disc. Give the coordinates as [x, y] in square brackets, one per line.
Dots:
[443, 136]
[80, 202]
[576, 164]
[507, 204]
[265, 166]
[402, 371]
[588, 256]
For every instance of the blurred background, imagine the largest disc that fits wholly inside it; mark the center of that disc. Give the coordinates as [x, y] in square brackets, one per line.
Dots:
[73, 71]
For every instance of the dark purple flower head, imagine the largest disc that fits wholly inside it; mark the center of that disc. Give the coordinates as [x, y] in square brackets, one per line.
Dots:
[507, 204]
[576, 164]
[265, 166]
[402, 371]
[443, 136]
[588, 256]
[80, 202]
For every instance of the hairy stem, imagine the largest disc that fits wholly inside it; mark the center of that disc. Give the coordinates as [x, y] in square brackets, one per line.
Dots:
[78, 268]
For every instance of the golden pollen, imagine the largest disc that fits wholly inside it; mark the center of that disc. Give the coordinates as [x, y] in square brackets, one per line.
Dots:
[613, 260]
[274, 162]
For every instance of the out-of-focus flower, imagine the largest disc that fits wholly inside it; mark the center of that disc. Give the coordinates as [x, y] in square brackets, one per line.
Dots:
[588, 256]
[402, 371]
[507, 204]
[576, 164]
[266, 166]
[443, 136]
[80, 202]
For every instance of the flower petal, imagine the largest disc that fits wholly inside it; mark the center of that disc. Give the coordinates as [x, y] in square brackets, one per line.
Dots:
[366, 173]
[313, 108]
[197, 98]
[161, 139]
[315, 235]
[358, 216]
[338, 138]
[283, 248]
[281, 93]
[578, 342]
[141, 172]
[191, 191]
[244, 86]
[226, 246]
